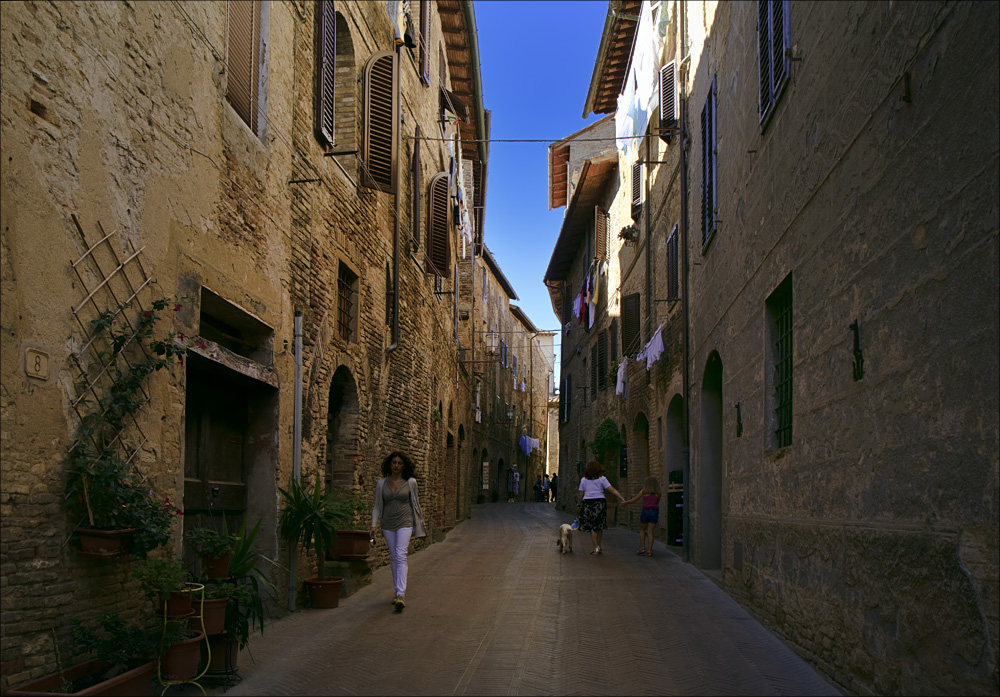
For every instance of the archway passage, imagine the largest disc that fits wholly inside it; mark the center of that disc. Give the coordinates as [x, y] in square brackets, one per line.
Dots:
[342, 452]
[674, 452]
[711, 460]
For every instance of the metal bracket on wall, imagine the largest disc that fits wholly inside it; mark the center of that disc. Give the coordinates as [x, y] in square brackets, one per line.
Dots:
[859, 359]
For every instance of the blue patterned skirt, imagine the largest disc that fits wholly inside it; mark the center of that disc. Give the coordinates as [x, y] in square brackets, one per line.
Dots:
[594, 515]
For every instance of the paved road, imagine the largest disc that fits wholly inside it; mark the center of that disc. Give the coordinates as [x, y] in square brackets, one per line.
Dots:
[496, 610]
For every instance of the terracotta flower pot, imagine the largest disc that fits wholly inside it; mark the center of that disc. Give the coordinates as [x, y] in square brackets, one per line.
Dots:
[181, 660]
[137, 681]
[225, 653]
[215, 567]
[177, 606]
[324, 594]
[103, 544]
[213, 614]
[350, 544]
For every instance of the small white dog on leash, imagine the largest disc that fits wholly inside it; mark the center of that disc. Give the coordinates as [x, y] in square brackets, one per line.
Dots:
[565, 539]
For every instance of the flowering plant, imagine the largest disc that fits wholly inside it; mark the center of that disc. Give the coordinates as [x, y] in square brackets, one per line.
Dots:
[103, 487]
[629, 233]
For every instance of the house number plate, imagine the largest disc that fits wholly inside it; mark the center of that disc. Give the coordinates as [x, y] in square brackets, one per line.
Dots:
[36, 364]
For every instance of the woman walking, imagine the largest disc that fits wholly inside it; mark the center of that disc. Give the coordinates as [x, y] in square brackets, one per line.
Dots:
[396, 505]
[593, 513]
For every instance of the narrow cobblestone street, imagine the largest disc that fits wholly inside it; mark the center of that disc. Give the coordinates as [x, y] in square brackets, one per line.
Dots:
[496, 610]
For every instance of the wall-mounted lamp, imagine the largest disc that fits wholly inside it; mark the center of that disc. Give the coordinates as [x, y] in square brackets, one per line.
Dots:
[859, 360]
[739, 421]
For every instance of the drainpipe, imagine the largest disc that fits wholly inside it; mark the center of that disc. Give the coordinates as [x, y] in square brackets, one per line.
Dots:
[686, 528]
[649, 246]
[296, 447]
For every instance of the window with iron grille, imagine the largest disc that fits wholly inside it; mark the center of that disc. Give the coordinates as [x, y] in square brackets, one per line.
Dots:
[425, 41]
[779, 314]
[347, 302]
[381, 105]
[709, 185]
[631, 339]
[602, 359]
[673, 267]
[636, 190]
[243, 59]
[593, 372]
[326, 71]
[773, 46]
[439, 226]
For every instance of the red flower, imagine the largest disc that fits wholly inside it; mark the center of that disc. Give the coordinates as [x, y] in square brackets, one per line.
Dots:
[147, 313]
[180, 336]
[201, 344]
[179, 512]
[177, 307]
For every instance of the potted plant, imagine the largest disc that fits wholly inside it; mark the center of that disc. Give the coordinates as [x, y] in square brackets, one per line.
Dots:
[353, 542]
[214, 549]
[117, 509]
[166, 581]
[312, 518]
[180, 649]
[210, 606]
[245, 610]
[122, 662]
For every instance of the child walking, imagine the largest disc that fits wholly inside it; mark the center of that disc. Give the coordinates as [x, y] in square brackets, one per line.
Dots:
[650, 495]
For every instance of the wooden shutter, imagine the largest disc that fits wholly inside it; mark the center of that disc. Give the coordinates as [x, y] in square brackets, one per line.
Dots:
[708, 185]
[673, 264]
[778, 60]
[593, 372]
[668, 99]
[764, 55]
[614, 340]
[425, 41]
[242, 58]
[602, 221]
[636, 190]
[381, 104]
[326, 70]
[602, 359]
[438, 226]
[630, 325]
[416, 187]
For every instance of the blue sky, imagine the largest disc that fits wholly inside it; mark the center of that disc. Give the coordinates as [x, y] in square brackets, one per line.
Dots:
[536, 59]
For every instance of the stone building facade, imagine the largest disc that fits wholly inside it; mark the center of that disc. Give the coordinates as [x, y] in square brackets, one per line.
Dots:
[287, 173]
[816, 240]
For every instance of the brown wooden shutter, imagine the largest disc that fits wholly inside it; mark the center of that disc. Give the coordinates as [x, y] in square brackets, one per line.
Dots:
[438, 226]
[593, 372]
[602, 359]
[381, 104]
[416, 186]
[602, 221]
[614, 340]
[242, 57]
[425, 41]
[326, 70]
[630, 325]
[636, 190]
[668, 100]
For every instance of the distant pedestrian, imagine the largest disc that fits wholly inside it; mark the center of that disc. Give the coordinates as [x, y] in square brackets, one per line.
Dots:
[593, 506]
[650, 515]
[554, 487]
[538, 488]
[545, 488]
[396, 505]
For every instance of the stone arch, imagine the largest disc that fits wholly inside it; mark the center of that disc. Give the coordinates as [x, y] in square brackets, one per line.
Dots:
[342, 452]
[710, 471]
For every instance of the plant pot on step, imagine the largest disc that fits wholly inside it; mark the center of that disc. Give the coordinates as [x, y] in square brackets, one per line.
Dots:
[212, 613]
[225, 653]
[324, 594]
[181, 660]
[104, 544]
[138, 681]
[177, 606]
[350, 544]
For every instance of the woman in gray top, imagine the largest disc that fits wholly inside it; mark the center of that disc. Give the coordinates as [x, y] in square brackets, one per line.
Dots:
[397, 506]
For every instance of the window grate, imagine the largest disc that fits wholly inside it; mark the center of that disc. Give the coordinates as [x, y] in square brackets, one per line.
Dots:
[346, 293]
[673, 284]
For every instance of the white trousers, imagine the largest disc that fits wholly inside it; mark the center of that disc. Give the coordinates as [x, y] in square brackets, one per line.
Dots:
[399, 542]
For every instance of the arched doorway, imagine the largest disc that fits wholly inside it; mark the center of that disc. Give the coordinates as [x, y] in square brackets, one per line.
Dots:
[674, 454]
[342, 452]
[710, 478]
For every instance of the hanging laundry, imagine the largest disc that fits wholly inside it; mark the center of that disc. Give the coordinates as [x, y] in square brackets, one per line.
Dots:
[653, 349]
[576, 308]
[621, 385]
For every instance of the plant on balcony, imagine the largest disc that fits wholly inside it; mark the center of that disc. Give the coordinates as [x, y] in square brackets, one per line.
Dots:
[629, 234]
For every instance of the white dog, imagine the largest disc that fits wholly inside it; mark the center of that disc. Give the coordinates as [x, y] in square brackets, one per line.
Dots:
[565, 539]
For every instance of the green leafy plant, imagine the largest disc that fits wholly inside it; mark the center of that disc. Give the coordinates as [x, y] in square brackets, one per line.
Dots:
[119, 645]
[354, 508]
[436, 414]
[207, 542]
[607, 441]
[613, 370]
[102, 486]
[245, 615]
[311, 518]
[161, 577]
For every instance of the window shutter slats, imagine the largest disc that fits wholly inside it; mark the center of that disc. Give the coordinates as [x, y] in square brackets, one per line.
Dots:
[668, 97]
[630, 325]
[241, 59]
[764, 55]
[380, 108]
[673, 285]
[777, 43]
[425, 41]
[602, 360]
[438, 226]
[601, 224]
[416, 186]
[326, 69]
[636, 184]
